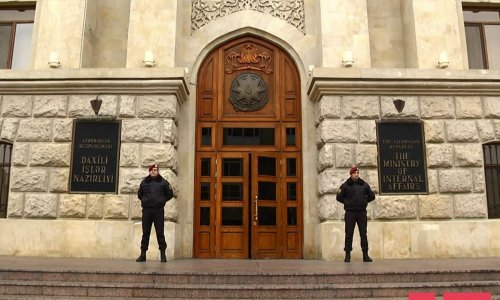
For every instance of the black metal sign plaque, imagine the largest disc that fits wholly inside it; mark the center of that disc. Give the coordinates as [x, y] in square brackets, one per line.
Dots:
[95, 156]
[401, 157]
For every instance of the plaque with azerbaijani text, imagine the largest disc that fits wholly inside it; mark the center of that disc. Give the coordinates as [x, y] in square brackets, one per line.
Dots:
[95, 156]
[401, 157]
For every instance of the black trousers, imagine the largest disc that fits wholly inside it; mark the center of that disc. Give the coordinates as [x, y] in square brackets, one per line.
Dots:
[152, 216]
[351, 219]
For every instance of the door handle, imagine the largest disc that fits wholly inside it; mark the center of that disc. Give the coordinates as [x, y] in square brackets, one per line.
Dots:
[256, 216]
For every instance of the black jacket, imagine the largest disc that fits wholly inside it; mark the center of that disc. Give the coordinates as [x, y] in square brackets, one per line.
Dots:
[154, 192]
[355, 195]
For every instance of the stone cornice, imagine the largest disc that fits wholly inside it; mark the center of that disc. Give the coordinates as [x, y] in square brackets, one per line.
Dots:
[95, 81]
[325, 81]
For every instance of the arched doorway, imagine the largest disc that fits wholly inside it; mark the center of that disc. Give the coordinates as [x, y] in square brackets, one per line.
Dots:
[248, 177]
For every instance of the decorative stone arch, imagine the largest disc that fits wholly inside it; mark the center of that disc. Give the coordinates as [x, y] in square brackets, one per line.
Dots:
[309, 151]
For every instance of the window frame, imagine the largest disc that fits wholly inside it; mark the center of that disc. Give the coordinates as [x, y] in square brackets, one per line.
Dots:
[481, 25]
[13, 24]
[3, 165]
[492, 194]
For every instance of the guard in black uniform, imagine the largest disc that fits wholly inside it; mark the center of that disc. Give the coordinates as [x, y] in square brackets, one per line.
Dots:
[154, 192]
[355, 194]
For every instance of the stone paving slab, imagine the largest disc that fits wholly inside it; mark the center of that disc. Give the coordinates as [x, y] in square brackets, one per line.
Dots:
[249, 267]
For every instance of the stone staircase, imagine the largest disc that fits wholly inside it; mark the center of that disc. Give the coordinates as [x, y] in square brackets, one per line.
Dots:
[154, 280]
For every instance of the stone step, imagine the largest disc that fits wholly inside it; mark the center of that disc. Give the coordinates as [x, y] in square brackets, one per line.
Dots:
[264, 278]
[238, 291]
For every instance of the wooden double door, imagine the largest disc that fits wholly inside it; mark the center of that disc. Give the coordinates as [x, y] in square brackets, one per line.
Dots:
[248, 178]
[257, 212]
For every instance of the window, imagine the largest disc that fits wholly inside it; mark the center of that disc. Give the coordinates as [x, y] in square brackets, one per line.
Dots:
[16, 30]
[492, 177]
[482, 33]
[5, 153]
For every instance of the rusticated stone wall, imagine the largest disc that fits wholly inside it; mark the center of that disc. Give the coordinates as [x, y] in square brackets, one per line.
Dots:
[455, 129]
[40, 128]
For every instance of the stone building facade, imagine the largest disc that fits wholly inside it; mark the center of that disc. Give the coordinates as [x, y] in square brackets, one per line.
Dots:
[395, 46]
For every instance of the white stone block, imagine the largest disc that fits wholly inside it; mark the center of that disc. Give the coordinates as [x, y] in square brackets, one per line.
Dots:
[15, 205]
[344, 155]
[435, 206]
[432, 179]
[79, 105]
[330, 180]
[164, 155]
[439, 155]
[9, 129]
[140, 131]
[478, 180]
[367, 132]
[95, 206]
[470, 206]
[326, 157]
[116, 207]
[410, 109]
[328, 207]
[136, 209]
[395, 207]
[462, 131]
[72, 206]
[50, 155]
[361, 107]
[158, 106]
[28, 180]
[171, 212]
[18, 106]
[486, 130]
[130, 179]
[59, 180]
[492, 107]
[40, 205]
[468, 107]
[437, 107]
[129, 155]
[455, 181]
[366, 155]
[63, 130]
[496, 126]
[337, 132]
[35, 130]
[170, 132]
[50, 106]
[127, 106]
[20, 154]
[434, 131]
[328, 107]
[468, 155]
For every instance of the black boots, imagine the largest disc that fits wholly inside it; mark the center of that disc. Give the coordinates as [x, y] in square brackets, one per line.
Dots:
[366, 258]
[347, 257]
[141, 257]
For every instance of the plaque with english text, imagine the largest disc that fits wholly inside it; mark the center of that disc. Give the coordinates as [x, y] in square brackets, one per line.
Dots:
[95, 156]
[401, 157]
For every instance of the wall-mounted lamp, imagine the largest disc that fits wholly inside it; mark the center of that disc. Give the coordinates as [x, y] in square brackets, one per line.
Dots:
[54, 60]
[96, 104]
[443, 61]
[149, 59]
[310, 69]
[399, 104]
[347, 59]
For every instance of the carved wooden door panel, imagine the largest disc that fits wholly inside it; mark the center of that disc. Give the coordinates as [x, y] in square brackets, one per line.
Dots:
[248, 178]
